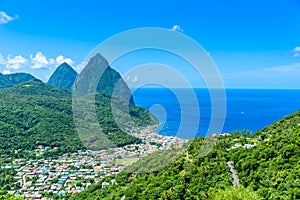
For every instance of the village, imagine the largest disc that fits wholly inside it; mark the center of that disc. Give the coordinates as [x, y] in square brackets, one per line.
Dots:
[74, 172]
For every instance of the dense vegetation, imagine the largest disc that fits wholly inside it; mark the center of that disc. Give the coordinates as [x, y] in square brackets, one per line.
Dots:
[269, 170]
[9, 80]
[7, 180]
[34, 113]
[4, 196]
[18, 78]
[273, 167]
[63, 77]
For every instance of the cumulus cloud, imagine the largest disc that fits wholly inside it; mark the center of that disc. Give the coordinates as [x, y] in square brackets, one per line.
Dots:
[5, 18]
[39, 61]
[16, 62]
[296, 51]
[6, 71]
[61, 59]
[51, 61]
[176, 28]
[80, 66]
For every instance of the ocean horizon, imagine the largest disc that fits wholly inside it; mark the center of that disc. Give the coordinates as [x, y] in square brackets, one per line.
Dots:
[246, 109]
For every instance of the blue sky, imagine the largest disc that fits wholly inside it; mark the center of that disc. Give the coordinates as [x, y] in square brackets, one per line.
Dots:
[255, 44]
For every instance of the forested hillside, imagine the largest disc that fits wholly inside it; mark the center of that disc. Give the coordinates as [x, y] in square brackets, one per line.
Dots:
[273, 167]
[34, 113]
[9, 80]
[267, 164]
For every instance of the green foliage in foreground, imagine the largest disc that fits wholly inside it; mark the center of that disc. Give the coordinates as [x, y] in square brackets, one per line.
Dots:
[190, 176]
[9, 197]
[270, 170]
[234, 193]
[273, 167]
[34, 113]
[7, 180]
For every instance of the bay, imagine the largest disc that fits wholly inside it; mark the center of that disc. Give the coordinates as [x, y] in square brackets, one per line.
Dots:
[250, 109]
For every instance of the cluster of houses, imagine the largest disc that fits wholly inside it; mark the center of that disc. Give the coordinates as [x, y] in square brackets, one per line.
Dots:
[71, 173]
[149, 136]
[74, 172]
[246, 143]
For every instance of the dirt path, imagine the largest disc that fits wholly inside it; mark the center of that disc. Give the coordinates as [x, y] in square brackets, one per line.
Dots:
[235, 178]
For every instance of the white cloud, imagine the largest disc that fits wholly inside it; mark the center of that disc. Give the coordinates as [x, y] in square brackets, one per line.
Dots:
[80, 66]
[51, 61]
[297, 54]
[15, 63]
[176, 28]
[135, 79]
[5, 18]
[39, 61]
[6, 71]
[297, 49]
[60, 60]
[35, 63]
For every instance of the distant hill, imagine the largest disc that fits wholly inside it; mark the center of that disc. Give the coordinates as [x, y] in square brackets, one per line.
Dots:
[63, 77]
[34, 113]
[268, 170]
[9, 80]
[18, 78]
[109, 81]
[4, 82]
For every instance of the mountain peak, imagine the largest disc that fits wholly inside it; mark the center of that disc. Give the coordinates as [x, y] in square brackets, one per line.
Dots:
[63, 77]
[99, 61]
[99, 76]
[66, 66]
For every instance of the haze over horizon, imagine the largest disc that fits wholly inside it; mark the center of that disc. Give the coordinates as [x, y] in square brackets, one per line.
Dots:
[254, 44]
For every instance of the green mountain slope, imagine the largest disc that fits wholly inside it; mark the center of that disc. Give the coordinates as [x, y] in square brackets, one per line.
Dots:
[109, 79]
[273, 167]
[9, 80]
[63, 77]
[269, 170]
[4, 82]
[18, 78]
[35, 113]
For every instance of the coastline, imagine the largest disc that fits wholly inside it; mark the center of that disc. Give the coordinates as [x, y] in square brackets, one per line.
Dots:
[151, 142]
